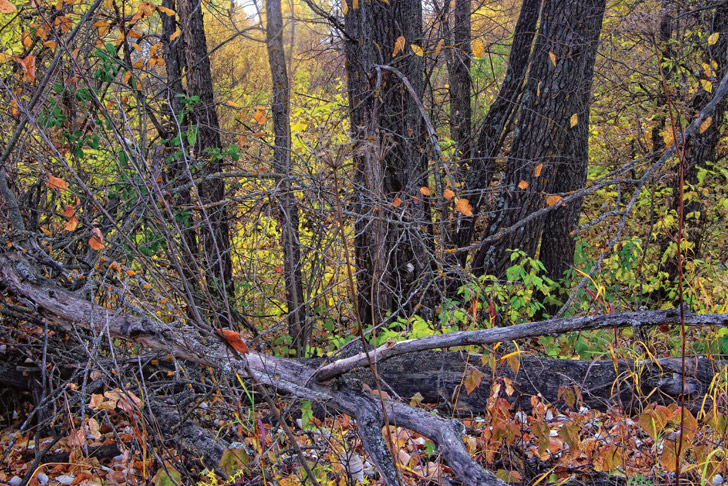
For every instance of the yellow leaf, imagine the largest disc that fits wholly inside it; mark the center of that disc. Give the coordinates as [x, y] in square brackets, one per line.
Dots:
[668, 138]
[417, 50]
[174, 35]
[713, 38]
[355, 4]
[537, 170]
[439, 47]
[478, 49]
[464, 207]
[707, 85]
[552, 56]
[574, 120]
[167, 11]
[425, 191]
[344, 6]
[553, 199]
[706, 124]
[448, 194]
[7, 7]
[398, 45]
[523, 185]
[27, 39]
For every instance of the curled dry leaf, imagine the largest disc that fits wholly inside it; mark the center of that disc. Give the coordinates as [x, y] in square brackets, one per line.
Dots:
[234, 340]
[96, 242]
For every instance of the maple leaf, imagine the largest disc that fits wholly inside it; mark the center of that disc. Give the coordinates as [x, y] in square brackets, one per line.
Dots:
[234, 340]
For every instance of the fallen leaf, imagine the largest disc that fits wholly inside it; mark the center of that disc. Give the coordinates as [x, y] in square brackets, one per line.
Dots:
[96, 242]
[233, 339]
[57, 183]
[71, 224]
[7, 7]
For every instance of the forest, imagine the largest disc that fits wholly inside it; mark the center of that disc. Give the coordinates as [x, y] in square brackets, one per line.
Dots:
[344, 242]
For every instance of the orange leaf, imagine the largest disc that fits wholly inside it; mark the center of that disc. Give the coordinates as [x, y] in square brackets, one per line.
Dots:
[552, 199]
[398, 45]
[278, 269]
[464, 207]
[537, 170]
[176, 34]
[425, 191]
[448, 194]
[57, 183]
[473, 380]
[68, 211]
[28, 66]
[96, 242]
[233, 339]
[552, 56]
[259, 115]
[523, 185]
[166, 11]
[7, 7]
[397, 202]
[71, 224]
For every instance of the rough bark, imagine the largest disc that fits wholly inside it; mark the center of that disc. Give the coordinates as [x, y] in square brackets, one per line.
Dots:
[288, 218]
[206, 150]
[564, 46]
[458, 67]
[496, 124]
[390, 159]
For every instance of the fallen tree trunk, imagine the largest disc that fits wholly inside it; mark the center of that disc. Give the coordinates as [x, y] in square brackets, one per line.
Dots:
[67, 309]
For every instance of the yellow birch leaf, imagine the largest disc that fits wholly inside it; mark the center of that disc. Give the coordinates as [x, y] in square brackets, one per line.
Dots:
[552, 56]
[478, 49]
[706, 124]
[417, 50]
[713, 38]
[707, 85]
[574, 120]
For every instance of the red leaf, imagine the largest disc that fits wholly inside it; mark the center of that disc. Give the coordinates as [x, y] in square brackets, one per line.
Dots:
[233, 339]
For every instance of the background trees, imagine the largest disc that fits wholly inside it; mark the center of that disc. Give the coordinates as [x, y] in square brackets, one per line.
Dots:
[167, 177]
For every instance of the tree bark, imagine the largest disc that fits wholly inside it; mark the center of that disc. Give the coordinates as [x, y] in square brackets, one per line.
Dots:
[207, 152]
[288, 218]
[566, 40]
[390, 159]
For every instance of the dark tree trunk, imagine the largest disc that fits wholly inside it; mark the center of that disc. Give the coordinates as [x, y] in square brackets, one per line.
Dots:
[282, 163]
[558, 243]
[544, 139]
[390, 158]
[207, 148]
[495, 126]
[458, 67]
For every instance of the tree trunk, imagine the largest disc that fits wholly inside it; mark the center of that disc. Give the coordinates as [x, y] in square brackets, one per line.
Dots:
[543, 142]
[207, 148]
[288, 219]
[390, 159]
[458, 67]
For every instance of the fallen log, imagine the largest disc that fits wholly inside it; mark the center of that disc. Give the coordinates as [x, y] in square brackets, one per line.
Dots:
[347, 395]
